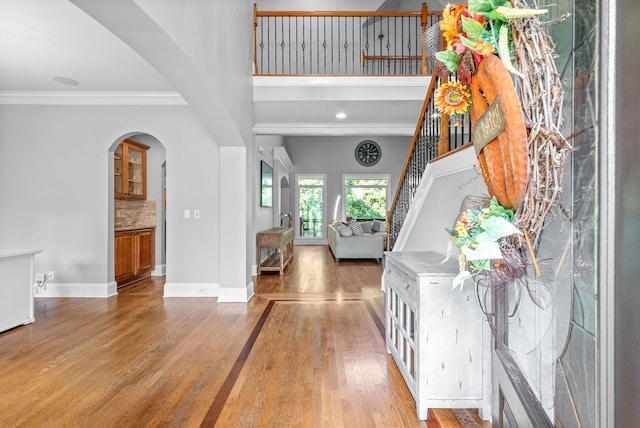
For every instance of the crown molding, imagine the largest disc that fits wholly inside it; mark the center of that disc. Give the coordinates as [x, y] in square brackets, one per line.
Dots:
[331, 129]
[162, 98]
[331, 81]
[280, 153]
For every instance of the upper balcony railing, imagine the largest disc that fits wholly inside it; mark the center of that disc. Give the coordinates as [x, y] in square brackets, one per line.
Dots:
[345, 43]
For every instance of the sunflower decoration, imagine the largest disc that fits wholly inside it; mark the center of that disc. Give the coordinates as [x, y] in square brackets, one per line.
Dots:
[474, 31]
[452, 98]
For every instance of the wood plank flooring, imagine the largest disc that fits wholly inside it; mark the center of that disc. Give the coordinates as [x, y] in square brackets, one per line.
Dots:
[307, 351]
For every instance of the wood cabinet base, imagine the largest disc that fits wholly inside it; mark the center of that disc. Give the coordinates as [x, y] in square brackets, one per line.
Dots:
[134, 255]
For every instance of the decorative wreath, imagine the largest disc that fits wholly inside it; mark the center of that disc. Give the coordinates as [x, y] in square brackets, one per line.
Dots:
[516, 127]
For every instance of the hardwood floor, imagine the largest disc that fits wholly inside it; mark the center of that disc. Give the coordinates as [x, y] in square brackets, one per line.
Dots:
[307, 351]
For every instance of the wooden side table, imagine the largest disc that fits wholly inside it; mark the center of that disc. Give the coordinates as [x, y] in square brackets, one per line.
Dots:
[278, 242]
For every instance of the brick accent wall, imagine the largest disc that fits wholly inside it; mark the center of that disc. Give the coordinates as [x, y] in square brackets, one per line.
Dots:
[134, 214]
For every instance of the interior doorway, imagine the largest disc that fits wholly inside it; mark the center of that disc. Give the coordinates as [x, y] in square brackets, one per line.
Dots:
[137, 209]
[310, 206]
[286, 213]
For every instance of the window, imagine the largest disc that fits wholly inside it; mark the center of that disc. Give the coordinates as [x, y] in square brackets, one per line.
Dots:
[310, 201]
[366, 196]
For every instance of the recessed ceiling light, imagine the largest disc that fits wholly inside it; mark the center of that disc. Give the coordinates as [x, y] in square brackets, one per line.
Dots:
[341, 115]
[66, 80]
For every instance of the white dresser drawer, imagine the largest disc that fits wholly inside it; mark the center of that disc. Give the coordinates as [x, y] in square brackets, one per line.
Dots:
[404, 284]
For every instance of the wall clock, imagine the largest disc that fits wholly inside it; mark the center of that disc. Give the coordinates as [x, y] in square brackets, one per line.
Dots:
[368, 153]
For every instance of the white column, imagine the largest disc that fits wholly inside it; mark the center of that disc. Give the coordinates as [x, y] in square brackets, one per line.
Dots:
[235, 283]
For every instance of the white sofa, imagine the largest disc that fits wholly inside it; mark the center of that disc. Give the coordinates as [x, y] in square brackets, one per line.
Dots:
[369, 245]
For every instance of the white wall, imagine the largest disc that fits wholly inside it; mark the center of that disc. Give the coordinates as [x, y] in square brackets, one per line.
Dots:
[265, 217]
[436, 203]
[218, 38]
[56, 183]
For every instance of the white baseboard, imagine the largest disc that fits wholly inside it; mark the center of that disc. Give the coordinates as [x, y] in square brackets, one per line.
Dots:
[159, 270]
[190, 289]
[77, 290]
[310, 242]
[236, 294]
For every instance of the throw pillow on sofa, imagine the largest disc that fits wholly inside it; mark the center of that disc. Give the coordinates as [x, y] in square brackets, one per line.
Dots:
[344, 230]
[366, 226]
[337, 223]
[379, 226]
[356, 228]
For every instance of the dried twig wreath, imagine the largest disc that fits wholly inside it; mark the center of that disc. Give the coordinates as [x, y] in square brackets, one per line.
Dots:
[541, 96]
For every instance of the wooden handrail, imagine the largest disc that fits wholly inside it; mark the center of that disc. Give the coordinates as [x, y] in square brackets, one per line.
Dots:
[428, 144]
[414, 142]
[338, 13]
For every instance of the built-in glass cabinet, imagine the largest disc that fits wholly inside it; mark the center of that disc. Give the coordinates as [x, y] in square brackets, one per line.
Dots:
[130, 170]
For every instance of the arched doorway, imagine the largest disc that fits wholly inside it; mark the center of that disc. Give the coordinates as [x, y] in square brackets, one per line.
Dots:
[286, 212]
[137, 232]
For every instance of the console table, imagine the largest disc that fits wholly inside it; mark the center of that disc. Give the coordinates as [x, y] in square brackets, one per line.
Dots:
[278, 242]
[438, 338]
[16, 288]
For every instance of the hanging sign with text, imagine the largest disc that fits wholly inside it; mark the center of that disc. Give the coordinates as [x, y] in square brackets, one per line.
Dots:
[488, 126]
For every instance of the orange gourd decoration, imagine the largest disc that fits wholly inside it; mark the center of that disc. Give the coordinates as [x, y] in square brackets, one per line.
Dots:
[504, 161]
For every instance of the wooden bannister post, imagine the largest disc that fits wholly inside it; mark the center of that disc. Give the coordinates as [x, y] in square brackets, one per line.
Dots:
[255, 38]
[423, 22]
[443, 142]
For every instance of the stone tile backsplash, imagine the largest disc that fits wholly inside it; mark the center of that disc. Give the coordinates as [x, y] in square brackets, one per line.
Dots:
[131, 214]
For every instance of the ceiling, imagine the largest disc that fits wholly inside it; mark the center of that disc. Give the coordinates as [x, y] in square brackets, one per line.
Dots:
[52, 47]
[40, 39]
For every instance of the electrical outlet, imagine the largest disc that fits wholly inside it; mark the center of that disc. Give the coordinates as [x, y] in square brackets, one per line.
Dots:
[50, 275]
[187, 213]
[39, 278]
[196, 213]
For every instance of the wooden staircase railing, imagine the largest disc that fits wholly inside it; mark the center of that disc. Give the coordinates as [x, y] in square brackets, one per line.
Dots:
[345, 42]
[435, 135]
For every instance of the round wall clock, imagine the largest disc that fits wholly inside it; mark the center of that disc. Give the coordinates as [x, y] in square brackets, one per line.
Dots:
[368, 153]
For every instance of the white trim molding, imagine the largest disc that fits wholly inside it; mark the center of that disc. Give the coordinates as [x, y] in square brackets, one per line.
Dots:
[78, 290]
[164, 98]
[190, 289]
[236, 294]
[159, 270]
[332, 129]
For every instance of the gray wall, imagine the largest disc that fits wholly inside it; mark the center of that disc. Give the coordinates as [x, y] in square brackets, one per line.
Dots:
[627, 212]
[59, 155]
[265, 217]
[334, 156]
[56, 186]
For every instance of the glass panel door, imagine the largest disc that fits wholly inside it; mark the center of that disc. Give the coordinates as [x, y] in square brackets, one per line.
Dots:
[117, 170]
[310, 203]
[136, 173]
[545, 370]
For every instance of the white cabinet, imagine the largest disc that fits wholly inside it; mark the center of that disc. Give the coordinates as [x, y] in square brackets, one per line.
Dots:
[16, 288]
[439, 338]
